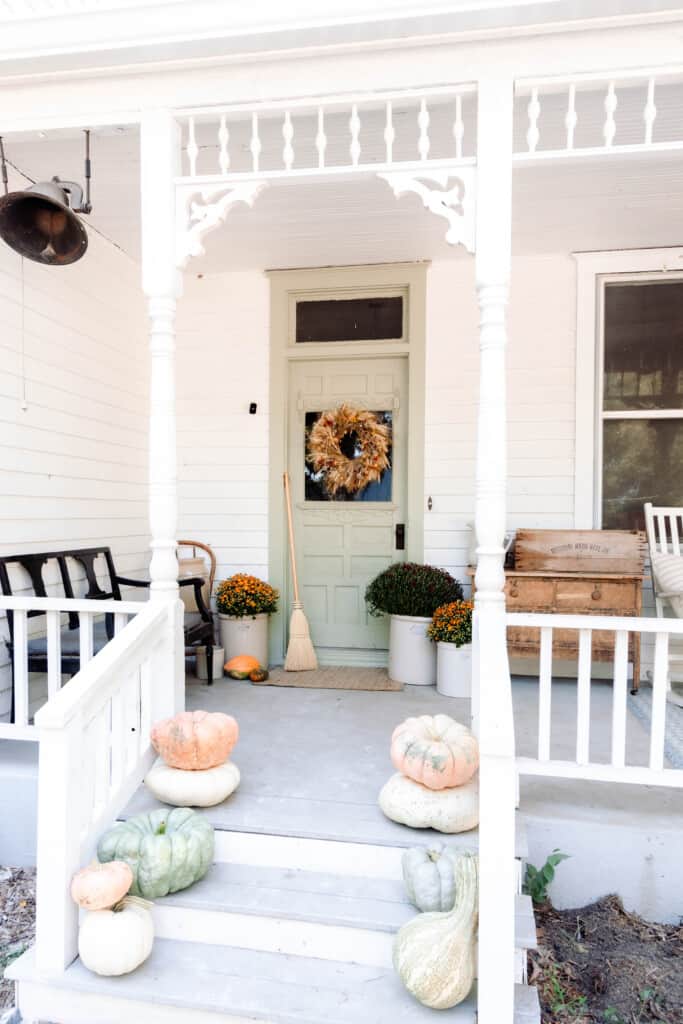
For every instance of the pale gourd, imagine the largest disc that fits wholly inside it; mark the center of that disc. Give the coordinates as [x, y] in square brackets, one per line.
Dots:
[114, 942]
[429, 876]
[192, 789]
[446, 810]
[167, 850]
[435, 750]
[435, 954]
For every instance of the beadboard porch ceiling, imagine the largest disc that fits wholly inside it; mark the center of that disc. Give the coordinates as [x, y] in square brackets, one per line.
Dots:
[609, 203]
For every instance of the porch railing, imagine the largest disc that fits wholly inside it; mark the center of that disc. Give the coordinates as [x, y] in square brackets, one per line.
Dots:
[581, 766]
[23, 612]
[94, 752]
[611, 112]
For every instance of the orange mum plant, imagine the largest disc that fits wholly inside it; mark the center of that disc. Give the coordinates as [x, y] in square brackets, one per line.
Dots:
[452, 623]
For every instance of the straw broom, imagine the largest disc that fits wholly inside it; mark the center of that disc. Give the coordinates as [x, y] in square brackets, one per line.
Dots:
[300, 654]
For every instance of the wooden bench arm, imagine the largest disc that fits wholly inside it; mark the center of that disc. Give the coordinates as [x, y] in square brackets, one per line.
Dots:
[128, 582]
[187, 581]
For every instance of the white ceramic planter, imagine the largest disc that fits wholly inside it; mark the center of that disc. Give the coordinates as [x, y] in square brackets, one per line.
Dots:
[245, 636]
[216, 667]
[454, 670]
[412, 655]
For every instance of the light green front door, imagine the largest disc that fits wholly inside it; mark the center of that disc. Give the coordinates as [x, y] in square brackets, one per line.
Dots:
[343, 544]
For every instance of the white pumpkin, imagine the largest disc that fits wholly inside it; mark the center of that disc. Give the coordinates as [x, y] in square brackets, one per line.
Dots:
[429, 876]
[446, 810]
[184, 788]
[435, 954]
[116, 941]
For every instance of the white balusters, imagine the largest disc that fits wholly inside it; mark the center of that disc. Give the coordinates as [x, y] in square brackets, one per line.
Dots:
[423, 125]
[20, 673]
[650, 112]
[533, 112]
[85, 638]
[255, 142]
[583, 698]
[571, 116]
[458, 126]
[659, 684]
[223, 143]
[354, 129]
[54, 653]
[321, 138]
[610, 127]
[545, 680]
[120, 622]
[192, 148]
[389, 133]
[619, 697]
[288, 135]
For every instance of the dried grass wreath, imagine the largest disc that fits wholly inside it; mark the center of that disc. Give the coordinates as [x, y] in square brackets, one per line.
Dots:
[326, 456]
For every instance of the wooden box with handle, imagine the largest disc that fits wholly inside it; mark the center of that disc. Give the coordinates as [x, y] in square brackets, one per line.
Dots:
[579, 572]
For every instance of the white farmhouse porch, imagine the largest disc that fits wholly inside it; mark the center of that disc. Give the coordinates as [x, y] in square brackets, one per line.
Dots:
[469, 193]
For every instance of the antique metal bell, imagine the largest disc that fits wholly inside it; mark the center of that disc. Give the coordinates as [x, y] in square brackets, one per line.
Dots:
[40, 221]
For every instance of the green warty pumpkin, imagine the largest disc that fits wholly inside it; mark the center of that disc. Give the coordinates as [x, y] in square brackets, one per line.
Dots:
[167, 849]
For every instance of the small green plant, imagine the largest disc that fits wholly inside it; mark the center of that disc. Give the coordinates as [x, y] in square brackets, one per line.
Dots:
[407, 588]
[560, 1000]
[537, 880]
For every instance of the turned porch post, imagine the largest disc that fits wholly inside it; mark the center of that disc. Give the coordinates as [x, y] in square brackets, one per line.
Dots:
[491, 693]
[161, 283]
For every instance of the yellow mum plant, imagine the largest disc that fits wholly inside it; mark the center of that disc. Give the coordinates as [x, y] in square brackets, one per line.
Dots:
[242, 595]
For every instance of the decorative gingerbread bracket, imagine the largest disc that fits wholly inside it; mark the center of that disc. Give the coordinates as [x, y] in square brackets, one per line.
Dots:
[456, 203]
[200, 210]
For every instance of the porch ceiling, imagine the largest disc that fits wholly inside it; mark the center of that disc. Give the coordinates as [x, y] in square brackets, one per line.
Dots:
[611, 203]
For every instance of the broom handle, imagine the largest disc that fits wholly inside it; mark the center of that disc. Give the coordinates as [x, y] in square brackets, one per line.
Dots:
[292, 554]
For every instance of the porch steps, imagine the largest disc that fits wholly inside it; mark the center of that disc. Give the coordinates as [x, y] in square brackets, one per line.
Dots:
[300, 913]
[204, 984]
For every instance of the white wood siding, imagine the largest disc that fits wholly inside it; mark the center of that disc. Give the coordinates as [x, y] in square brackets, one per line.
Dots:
[73, 463]
[223, 339]
[540, 401]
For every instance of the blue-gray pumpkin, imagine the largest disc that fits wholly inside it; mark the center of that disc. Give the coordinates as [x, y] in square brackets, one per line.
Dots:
[429, 876]
[167, 849]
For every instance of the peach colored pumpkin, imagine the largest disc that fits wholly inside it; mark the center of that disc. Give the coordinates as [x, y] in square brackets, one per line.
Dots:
[100, 886]
[195, 740]
[436, 751]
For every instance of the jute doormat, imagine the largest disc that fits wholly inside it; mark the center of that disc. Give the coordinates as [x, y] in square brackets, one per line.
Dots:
[334, 679]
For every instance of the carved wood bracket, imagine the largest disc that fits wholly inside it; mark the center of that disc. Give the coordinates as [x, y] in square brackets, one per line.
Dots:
[201, 210]
[453, 199]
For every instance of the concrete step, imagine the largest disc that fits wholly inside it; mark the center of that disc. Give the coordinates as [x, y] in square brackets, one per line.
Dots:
[203, 984]
[299, 913]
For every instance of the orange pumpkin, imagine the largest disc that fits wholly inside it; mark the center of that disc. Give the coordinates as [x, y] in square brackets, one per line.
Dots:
[240, 666]
[195, 740]
[435, 750]
[258, 675]
[101, 886]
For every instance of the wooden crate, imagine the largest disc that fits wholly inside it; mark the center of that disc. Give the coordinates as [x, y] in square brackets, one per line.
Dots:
[582, 551]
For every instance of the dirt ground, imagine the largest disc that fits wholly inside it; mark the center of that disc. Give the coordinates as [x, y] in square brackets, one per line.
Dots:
[602, 965]
[17, 921]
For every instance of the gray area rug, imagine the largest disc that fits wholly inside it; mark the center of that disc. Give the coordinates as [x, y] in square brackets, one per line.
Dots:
[334, 679]
[641, 706]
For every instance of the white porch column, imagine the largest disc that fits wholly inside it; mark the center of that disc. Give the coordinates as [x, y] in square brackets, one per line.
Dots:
[492, 700]
[161, 282]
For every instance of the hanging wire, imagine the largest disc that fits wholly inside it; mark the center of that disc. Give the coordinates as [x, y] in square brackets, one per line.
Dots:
[3, 166]
[24, 403]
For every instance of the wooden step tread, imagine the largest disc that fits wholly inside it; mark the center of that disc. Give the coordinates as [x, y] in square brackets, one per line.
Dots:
[248, 985]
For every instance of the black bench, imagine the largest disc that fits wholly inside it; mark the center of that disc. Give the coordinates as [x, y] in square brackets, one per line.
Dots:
[103, 630]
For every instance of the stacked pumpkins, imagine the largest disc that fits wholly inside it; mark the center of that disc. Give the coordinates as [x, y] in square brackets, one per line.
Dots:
[435, 784]
[193, 768]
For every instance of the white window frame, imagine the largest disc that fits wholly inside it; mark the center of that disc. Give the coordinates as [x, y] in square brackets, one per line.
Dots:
[594, 271]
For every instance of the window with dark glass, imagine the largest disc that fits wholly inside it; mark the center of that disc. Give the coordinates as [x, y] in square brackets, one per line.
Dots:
[314, 483]
[377, 318]
[642, 412]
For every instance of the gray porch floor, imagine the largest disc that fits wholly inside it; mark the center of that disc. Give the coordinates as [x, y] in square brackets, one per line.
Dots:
[314, 761]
